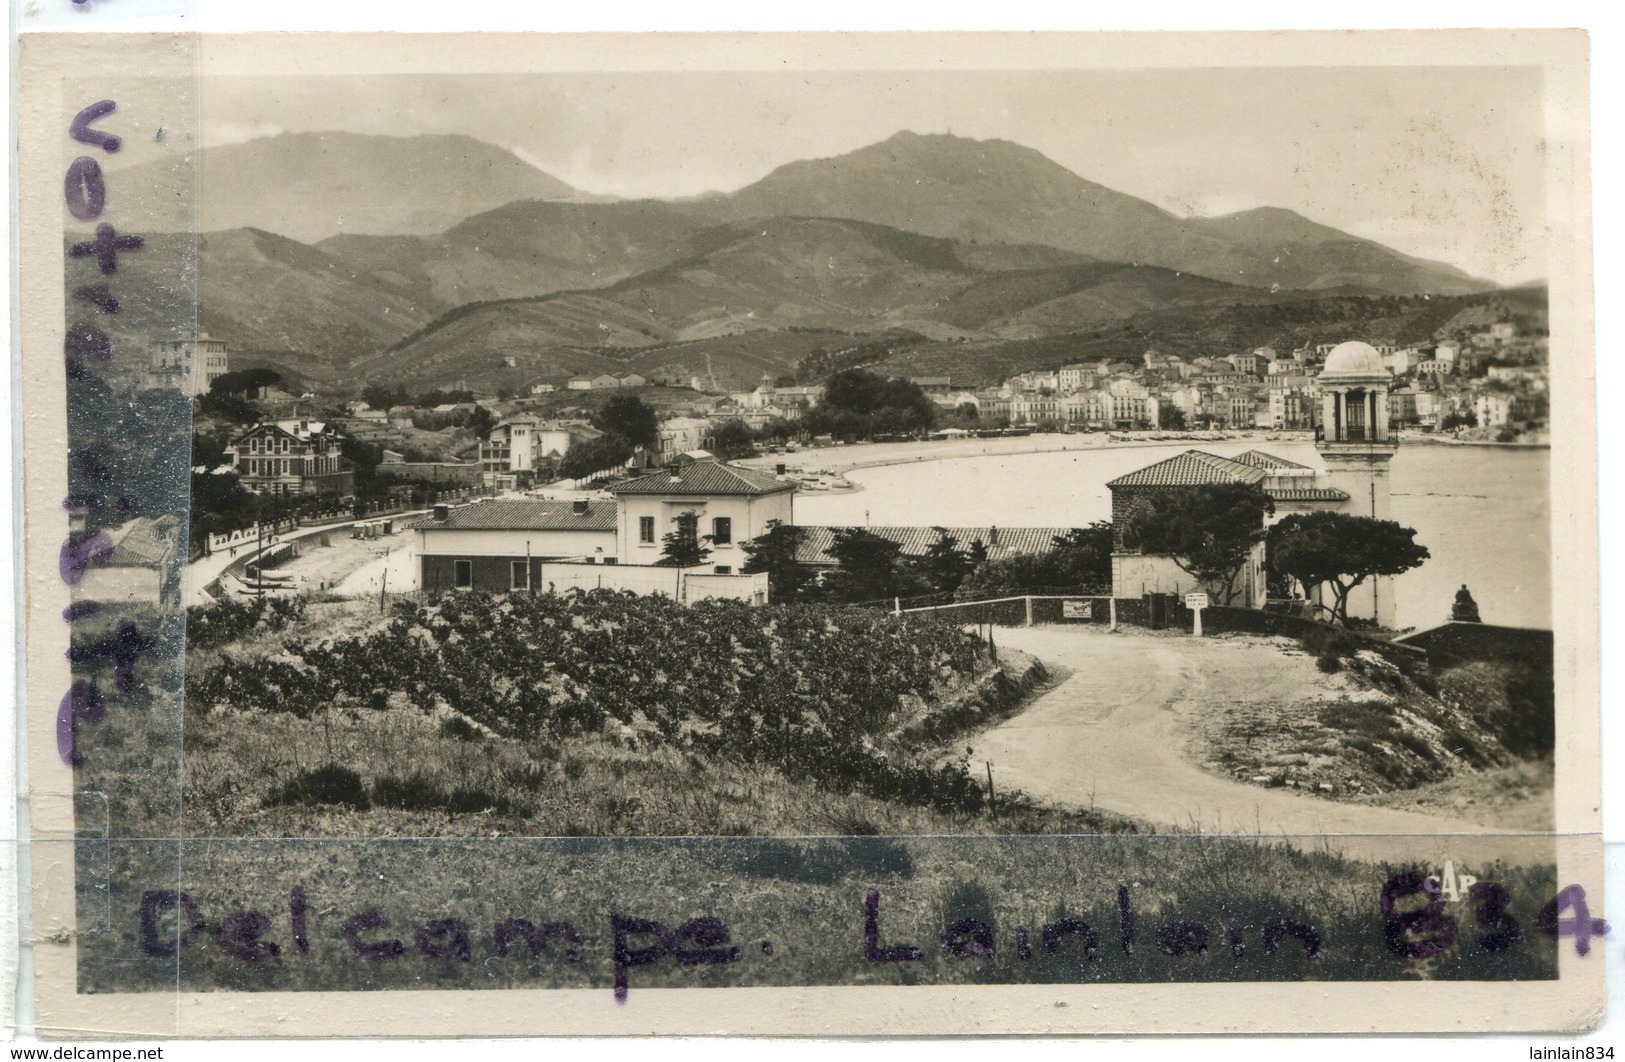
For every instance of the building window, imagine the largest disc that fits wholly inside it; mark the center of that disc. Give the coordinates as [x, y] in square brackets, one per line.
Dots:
[611, 560]
[722, 530]
[646, 529]
[724, 569]
[521, 575]
[462, 574]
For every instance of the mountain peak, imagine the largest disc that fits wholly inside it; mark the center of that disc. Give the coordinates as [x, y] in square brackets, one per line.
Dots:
[997, 191]
[950, 146]
[1274, 223]
[309, 186]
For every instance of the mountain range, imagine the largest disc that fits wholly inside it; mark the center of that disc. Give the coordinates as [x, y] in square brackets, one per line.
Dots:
[309, 186]
[944, 185]
[342, 257]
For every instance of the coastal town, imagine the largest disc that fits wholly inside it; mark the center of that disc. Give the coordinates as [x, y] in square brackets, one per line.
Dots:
[1211, 530]
[850, 545]
[594, 518]
[1482, 384]
[597, 470]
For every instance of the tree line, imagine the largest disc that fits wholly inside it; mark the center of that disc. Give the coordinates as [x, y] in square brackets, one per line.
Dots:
[1211, 532]
[868, 567]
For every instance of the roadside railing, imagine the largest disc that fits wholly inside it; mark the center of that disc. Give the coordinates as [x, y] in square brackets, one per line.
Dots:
[1003, 608]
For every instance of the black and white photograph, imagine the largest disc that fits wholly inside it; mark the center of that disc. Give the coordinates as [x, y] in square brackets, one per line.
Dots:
[914, 525]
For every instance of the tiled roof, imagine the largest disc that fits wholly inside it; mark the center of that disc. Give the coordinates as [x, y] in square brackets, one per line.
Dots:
[1308, 494]
[289, 427]
[1193, 468]
[310, 427]
[704, 477]
[1260, 459]
[145, 543]
[1001, 542]
[525, 515]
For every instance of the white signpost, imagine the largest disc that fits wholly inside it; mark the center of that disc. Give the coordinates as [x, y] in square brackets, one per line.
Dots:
[1196, 603]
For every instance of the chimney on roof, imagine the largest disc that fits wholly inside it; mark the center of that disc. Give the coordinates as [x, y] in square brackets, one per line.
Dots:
[441, 512]
[581, 507]
[993, 536]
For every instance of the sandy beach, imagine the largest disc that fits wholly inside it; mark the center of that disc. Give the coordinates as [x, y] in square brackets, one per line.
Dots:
[841, 459]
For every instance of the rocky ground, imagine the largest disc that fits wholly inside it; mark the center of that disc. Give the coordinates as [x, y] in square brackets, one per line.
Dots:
[1369, 734]
[1242, 732]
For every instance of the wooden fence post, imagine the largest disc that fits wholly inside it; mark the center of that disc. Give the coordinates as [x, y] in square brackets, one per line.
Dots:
[1029, 600]
[992, 804]
[1112, 602]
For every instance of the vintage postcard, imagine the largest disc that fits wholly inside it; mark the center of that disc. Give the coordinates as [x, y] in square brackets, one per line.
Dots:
[809, 535]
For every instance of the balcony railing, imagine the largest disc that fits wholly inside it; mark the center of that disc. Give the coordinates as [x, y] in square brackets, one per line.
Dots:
[1356, 433]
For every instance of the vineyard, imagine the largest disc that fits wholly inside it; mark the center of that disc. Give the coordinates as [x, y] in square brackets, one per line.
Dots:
[820, 697]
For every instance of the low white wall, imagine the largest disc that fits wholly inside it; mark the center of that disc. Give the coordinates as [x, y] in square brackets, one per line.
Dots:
[248, 536]
[1134, 574]
[752, 588]
[640, 579]
[681, 584]
[472, 542]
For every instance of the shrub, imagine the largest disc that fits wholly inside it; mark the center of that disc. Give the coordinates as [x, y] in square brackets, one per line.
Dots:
[457, 727]
[1328, 639]
[1365, 745]
[416, 792]
[812, 691]
[1417, 745]
[232, 618]
[853, 824]
[468, 799]
[327, 784]
[1329, 662]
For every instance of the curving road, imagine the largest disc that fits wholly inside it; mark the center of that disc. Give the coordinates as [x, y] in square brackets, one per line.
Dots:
[1113, 734]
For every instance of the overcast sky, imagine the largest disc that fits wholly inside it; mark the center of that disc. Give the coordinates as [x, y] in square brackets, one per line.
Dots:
[1441, 162]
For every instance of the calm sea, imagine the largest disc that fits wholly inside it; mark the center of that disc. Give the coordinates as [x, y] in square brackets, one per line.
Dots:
[1483, 512]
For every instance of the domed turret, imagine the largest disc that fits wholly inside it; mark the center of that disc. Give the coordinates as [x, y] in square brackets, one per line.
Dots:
[1354, 359]
[1355, 441]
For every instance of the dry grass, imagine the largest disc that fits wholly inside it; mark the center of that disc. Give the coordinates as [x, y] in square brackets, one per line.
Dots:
[804, 895]
[1518, 797]
[1375, 737]
[239, 768]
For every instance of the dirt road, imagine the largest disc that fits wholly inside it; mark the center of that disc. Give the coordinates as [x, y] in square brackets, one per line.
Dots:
[1114, 734]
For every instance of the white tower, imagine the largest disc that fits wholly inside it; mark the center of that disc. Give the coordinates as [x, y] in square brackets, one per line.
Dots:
[1357, 445]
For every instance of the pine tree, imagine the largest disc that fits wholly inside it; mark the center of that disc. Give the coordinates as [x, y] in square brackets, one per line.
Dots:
[684, 547]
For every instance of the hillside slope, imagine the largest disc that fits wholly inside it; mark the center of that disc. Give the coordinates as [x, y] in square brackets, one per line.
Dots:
[310, 186]
[748, 285]
[524, 248]
[266, 295]
[967, 189]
